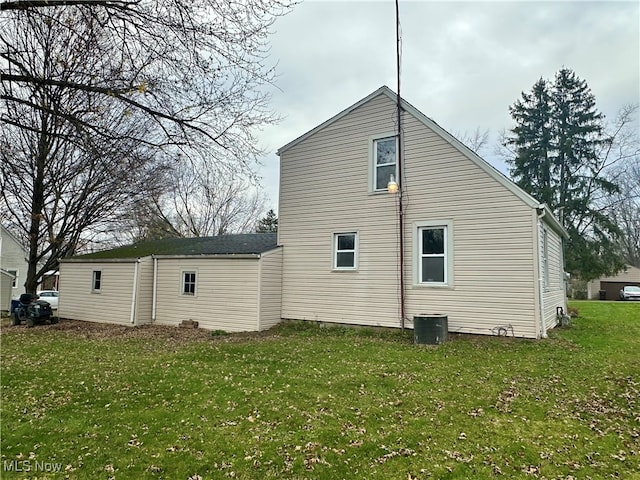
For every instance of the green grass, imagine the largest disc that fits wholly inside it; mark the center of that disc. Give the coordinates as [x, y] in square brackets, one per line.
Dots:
[325, 403]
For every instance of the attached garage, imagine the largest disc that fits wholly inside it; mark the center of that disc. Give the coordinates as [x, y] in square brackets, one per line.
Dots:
[229, 283]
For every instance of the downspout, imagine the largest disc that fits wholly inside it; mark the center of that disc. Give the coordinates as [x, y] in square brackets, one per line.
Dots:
[543, 330]
[135, 291]
[155, 288]
[259, 294]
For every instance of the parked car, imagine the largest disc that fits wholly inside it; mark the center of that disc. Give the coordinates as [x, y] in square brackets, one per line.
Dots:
[49, 296]
[630, 292]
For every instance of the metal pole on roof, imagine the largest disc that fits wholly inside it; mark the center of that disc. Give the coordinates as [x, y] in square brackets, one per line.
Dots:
[399, 160]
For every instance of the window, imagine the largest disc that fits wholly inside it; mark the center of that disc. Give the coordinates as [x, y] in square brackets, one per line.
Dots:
[345, 254]
[384, 162]
[14, 282]
[433, 257]
[97, 281]
[188, 283]
[545, 258]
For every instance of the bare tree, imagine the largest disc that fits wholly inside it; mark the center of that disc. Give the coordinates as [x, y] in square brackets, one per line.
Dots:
[624, 207]
[627, 215]
[207, 200]
[476, 140]
[197, 68]
[98, 95]
[203, 201]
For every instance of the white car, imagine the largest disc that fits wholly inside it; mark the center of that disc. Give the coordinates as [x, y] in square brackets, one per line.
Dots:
[630, 292]
[49, 296]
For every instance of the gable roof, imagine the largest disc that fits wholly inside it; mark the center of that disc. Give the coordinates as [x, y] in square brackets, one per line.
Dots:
[241, 244]
[5, 232]
[457, 144]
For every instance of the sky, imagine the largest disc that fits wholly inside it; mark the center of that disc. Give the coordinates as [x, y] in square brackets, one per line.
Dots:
[463, 63]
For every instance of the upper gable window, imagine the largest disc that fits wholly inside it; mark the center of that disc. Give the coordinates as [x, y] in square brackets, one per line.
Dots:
[385, 154]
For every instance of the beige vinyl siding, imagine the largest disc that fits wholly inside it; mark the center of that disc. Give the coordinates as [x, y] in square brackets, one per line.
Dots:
[6, 282]
[111, 305]
[144, 296]
[13, 257]
[325, 185]
[270, 289]
[554, 293]
[226, 293]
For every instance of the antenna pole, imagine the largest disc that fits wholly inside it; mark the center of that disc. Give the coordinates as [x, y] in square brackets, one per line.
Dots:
[400, 182]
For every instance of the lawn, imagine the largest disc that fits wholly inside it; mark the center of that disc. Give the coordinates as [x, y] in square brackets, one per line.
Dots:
[88, 401]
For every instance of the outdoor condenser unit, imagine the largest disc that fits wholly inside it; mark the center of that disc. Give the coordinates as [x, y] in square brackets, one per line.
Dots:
[430, 329]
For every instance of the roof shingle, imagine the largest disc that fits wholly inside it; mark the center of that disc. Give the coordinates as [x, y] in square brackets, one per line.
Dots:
[246, 243]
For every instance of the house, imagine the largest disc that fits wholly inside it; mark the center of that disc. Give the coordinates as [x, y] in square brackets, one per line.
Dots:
[13, 260]
[477, 248]
[611, 286]
[458, 239]
[6, 290]
[229, 283]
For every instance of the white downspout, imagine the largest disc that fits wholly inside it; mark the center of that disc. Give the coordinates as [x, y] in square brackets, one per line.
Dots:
[135, 291]
[155, 289]
[259, 303]
[541, 213]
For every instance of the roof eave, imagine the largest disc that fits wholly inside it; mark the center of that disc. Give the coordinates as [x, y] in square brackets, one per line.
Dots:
[552, 220]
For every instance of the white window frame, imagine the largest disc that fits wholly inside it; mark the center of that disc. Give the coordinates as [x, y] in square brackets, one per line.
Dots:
[373, 158]
[418, 227]
[545, 258]
[183, 283]
[14, 280]
[336, 251]
[93, 281]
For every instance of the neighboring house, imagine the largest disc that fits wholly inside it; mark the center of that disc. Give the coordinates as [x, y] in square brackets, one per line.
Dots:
[611, 286]
[13, 260]
[6, 289]
[477, 248]
[229, 283]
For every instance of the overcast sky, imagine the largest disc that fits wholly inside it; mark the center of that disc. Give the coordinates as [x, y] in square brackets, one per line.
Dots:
[463, 63]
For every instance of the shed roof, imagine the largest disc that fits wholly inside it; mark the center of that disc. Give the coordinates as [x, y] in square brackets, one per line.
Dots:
[241, 244]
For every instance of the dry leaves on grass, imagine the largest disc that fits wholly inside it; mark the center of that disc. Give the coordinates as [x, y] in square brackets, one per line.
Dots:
[109, 331]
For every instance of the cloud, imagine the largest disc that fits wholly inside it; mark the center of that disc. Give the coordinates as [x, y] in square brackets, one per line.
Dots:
[463, 63]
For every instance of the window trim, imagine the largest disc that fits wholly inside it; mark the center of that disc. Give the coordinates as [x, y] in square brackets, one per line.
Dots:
[335, 251]
[545, 259]
[95, 277]
[13, 272]
[183, 282]
[447, 225]
[373, 158]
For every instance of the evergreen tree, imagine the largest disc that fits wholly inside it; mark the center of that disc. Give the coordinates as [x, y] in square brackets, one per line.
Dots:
[268, 224]
[560, 158]
[532, 165]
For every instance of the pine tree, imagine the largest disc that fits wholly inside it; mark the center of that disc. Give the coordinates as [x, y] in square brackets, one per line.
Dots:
[268, 224]
[532, 165]
[559, 145]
